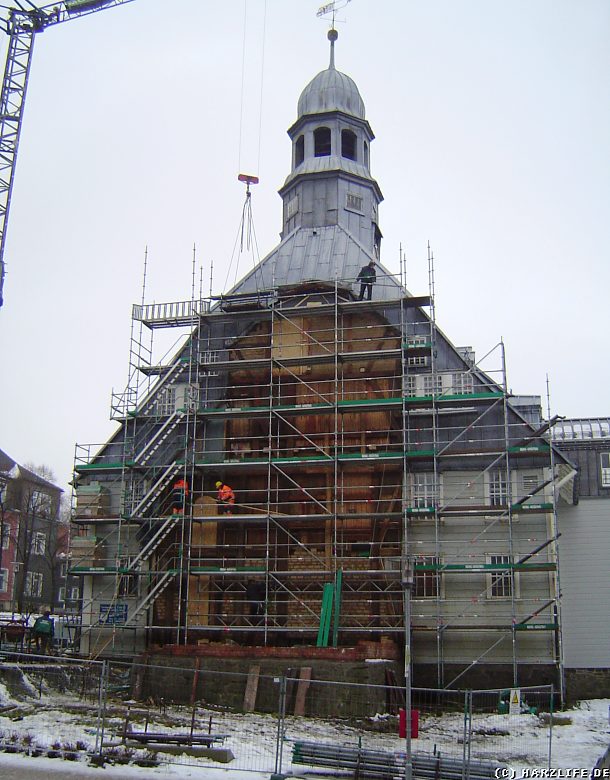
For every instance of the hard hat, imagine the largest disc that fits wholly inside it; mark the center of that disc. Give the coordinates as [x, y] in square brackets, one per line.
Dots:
[219, 484]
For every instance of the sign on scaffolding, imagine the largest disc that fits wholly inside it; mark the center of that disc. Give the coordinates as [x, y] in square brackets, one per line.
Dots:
[113, 614]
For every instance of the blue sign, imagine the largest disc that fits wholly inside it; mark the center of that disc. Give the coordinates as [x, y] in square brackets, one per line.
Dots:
[113, 614]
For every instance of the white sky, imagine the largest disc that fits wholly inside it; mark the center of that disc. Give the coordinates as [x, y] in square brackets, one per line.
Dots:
[492, 122]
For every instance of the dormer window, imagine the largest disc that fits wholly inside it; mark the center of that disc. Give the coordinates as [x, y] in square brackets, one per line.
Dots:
[321, 142]
[348, 144]
[299, 151]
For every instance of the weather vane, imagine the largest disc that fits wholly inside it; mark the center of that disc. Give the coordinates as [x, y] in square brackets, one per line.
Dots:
[332, 8]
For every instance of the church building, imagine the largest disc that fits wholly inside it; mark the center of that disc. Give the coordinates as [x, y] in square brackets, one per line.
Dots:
[387, 491]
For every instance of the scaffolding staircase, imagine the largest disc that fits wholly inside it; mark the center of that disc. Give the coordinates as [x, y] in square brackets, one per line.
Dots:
[152, 537]
[162, 581]
[156, 490]
[154, 444]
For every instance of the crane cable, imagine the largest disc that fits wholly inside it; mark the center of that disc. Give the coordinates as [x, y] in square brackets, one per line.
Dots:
[246, 233]
[243, 84]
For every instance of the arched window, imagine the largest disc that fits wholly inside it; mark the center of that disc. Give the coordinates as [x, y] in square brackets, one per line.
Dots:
[321, 141]
[299, 151]
[366, 154]
[348, 144]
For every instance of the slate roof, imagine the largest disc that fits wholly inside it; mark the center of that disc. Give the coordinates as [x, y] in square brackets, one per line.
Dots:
[331, 90]
[318, 254]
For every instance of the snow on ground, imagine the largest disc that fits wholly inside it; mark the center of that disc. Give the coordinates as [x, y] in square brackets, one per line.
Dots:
[69, 770]
[520, 741]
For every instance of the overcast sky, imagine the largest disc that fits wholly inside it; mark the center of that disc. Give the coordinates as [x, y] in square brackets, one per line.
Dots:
[492, 122]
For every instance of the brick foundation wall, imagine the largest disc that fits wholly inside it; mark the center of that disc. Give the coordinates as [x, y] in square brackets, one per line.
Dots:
[587, 684]
[486, 676]
[221, 681]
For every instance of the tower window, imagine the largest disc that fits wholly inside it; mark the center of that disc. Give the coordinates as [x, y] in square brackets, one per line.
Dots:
[353, 202]
[348, 144]
[366, 154]
[299, 151]
[321, 141]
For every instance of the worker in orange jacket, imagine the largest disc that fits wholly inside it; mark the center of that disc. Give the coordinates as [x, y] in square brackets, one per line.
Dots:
[225, 498]
[180, 492]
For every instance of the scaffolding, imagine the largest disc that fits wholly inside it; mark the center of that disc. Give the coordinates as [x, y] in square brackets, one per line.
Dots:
[358, 442]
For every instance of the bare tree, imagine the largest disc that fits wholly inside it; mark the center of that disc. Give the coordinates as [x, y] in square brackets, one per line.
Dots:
[56, 547]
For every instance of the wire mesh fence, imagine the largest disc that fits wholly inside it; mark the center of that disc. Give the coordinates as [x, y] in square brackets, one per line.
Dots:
[512, 725]
[48, 707]
[187, 712]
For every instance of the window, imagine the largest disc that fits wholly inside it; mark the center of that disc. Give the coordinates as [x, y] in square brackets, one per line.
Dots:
[63, 571]
[128, 583]
[299, 151]
[6, 535]
[462, 383]
[62, 595]
[500, 582]
[33, 584]
[41, 503]
[417, 360]
[321, 142]
[423, 490]
[3, 580]
[498, 488]
[353, 202]
[348, 144]
[134, 493]
[166, 401]
[426, 583]
[39, 543]
[418, 340]
[366, 154]
[433, 384]
[410, 385]
[292, 207]
[604, 459]
[74, 594]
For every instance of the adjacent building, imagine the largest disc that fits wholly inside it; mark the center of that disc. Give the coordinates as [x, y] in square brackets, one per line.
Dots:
[34, 541]
[584, 546]
[387, 489]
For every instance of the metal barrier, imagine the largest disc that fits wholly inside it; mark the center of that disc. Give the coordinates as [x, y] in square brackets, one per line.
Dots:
[182, 713]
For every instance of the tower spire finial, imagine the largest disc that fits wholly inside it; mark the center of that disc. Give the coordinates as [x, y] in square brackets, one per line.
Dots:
[332, 37]
[332, 8]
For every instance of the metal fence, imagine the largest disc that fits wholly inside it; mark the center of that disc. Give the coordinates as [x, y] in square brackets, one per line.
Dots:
[183, 713]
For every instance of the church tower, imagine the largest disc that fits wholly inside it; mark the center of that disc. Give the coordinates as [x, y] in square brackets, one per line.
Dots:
[330, 181]
[330, 216]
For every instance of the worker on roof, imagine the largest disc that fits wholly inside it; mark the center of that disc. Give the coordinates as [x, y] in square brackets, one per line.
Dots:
[180, 492]
[226, 498]
[367, 278]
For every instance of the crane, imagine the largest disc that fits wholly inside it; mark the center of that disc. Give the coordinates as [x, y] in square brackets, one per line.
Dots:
[21, 25]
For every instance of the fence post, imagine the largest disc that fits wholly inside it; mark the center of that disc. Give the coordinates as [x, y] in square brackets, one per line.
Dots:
[467, 735]
[279, 745]
[101, 709]
[551, 709]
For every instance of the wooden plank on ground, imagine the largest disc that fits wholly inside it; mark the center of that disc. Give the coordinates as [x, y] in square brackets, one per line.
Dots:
[251, 688]
[303, 687]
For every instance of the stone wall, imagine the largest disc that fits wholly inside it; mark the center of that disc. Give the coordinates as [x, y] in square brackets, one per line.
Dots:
[217, 675]
[485, 676]
[587, 684]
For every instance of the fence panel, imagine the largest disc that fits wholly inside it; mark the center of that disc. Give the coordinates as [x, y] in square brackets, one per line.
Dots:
[193, 716]
[49, 706]
[510, 725]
